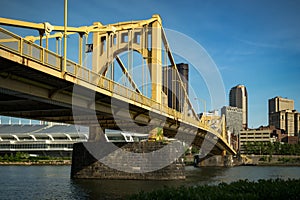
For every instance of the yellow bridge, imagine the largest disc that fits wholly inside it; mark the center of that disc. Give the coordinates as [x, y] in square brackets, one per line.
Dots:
[37, 83]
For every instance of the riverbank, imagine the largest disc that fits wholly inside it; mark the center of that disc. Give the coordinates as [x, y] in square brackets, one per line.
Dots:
[38, 162]
[255, 160]
[243, 189]
[273, 160]
[21, 158]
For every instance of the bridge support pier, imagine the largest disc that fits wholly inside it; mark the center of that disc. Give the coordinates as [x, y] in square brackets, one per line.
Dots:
[222, 160]
[87, 165]
[227, 159]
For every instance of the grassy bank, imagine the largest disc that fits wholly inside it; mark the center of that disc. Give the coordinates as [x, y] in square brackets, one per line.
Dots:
[25, 159]
[38, 162]
[275, 160]
[244, 189]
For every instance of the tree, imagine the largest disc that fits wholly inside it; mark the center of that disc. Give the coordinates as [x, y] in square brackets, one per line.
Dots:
[270, 149]
[277, 147]
[6, 157]
[11, 157]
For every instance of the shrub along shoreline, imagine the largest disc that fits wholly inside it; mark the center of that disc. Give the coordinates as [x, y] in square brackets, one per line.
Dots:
[25, 159]
[275, 160]
[243, 189]
[38, 162]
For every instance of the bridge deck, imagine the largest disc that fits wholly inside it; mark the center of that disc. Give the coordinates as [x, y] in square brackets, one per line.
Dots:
[34, 85]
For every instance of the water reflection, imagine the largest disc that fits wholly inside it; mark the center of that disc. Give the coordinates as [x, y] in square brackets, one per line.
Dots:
[108, 189]
[254, 173]
[53, 182]
[205, 175]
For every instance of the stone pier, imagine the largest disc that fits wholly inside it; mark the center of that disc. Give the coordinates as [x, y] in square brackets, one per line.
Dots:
[214, 161]
[86, 165]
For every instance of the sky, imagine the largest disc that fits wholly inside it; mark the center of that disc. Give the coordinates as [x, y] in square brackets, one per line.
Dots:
[255, 43]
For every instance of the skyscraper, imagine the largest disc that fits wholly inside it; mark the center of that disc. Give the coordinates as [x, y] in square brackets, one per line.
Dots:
[238, 97]
[283, 116]
[277, 104]
[233, 117]
[172, 86]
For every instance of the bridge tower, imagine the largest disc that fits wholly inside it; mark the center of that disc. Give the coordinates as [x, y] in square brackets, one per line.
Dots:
[145, 38]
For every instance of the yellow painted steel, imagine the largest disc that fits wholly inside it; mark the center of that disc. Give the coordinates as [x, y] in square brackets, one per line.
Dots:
[155, 60]
[127, 75]
[100, 82]
[38, 26]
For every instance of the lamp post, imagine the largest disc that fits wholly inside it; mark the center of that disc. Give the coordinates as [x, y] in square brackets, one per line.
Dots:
[203, 102]
[65, 36]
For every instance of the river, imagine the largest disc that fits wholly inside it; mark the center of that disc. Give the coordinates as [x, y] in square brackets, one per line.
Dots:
[53, 182]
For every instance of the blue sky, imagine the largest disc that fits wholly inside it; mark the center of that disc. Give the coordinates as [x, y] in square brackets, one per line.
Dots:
[255, 43]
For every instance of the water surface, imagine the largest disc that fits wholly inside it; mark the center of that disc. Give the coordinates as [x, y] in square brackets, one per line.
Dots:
[53, 182]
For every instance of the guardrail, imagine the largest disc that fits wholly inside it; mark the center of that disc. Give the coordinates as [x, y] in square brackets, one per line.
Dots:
[28, 49]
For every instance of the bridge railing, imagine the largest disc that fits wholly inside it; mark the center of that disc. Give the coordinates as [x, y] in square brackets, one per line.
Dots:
[32, 50]
[29, 49]
[48, 58]
[10, 40]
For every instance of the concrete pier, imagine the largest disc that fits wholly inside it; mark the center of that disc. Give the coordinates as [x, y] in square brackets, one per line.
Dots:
[214, 161]
[86, 166]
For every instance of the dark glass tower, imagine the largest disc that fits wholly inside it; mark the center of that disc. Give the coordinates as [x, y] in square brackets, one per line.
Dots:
[238, 97]
[172, 88]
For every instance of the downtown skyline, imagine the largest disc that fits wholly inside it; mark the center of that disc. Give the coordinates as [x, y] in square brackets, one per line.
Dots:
[254, 43]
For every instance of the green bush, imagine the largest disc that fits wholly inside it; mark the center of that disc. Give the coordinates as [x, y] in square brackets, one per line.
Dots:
[12, 158]
[6, 157]
[269, 148]
[284, 160]
[24, 157]
[243, 189]
[264, 158]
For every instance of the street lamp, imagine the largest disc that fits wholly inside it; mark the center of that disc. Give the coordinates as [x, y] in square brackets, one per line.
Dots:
[65, 36]
[203, 102]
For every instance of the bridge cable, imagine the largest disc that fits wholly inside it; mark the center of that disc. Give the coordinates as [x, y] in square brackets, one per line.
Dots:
[130, 59]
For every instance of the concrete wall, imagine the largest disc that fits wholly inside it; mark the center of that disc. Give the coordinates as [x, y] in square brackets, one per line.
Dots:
[85, 165]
